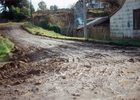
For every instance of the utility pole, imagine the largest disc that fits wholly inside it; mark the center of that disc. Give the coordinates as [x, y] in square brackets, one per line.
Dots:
[85, 18]
[31, 19]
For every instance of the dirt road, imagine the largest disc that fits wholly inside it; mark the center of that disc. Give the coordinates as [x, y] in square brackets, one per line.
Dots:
[70, 70]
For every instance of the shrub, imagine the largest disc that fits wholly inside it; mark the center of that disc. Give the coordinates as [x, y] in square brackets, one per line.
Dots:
[3, 51]
[5, 47]
[17, 14]
[45, 24]
[26, 13]
[54, 28]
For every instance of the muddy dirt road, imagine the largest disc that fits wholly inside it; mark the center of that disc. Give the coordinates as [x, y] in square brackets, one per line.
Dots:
[70, 70]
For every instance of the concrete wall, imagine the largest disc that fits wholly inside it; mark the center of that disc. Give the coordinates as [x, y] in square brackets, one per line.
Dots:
[119, 22]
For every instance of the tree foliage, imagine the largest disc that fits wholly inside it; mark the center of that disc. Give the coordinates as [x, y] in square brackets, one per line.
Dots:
[16, 3]
[17, 14]
[113, 3]
[51, 8]
[46, 25]
[54, 7]
[33, 9]
[42, 6]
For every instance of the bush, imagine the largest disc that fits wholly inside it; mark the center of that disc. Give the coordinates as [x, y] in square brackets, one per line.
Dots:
[26, 13]
[54, 28]
[5, 47]
[17, 14]
[3, 51]
[45, 24]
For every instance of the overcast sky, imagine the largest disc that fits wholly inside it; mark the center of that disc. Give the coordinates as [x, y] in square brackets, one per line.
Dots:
[59, 3]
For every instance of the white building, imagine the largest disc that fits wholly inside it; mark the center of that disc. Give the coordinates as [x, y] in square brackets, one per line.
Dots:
[97, 4]
[125, 23]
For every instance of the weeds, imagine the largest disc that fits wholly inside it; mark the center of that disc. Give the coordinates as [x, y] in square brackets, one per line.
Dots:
[5, 47]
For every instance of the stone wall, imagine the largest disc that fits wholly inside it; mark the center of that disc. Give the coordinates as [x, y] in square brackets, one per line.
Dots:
[121, 23]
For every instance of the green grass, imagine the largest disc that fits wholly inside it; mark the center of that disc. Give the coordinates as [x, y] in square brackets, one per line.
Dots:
[5, 47]
[1, 24]
[125, 43]
[40, 31]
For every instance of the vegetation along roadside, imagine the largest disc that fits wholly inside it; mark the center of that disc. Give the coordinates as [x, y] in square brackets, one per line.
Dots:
[33, 29]
[6, 47]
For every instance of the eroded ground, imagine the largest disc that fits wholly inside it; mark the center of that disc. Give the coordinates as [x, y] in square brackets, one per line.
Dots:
[54, 69]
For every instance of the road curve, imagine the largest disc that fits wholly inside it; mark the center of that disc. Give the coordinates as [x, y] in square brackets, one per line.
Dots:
[91, 71]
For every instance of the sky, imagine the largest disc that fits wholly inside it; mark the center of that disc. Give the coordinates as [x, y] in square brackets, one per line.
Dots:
[59, 3]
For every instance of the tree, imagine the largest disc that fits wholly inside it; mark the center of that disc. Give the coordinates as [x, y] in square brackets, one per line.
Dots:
[55, 8]
[16, 3]
[18, 14]
[51, 7]
[113, 3]
[25, 13]
[86, 1]
[33, 9]
[14, 12]
[42, 6]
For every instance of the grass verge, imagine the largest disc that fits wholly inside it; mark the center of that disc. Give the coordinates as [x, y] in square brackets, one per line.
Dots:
[6, 47]
[42, 32]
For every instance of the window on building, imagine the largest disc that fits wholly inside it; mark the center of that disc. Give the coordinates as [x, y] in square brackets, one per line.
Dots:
[136, 19]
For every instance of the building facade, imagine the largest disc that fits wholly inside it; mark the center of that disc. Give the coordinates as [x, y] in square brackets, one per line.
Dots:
[96, 4]
[125, 23]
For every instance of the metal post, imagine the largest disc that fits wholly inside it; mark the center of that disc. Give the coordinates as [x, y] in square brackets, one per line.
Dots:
[31, 19]
[85, 18]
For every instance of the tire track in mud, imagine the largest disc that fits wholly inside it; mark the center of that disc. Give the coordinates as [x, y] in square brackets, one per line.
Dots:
[76, 70]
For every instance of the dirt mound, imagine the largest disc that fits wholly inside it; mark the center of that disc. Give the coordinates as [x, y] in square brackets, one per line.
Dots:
[22, 68]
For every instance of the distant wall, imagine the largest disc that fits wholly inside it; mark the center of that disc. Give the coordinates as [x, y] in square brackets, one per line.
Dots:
[119, 22]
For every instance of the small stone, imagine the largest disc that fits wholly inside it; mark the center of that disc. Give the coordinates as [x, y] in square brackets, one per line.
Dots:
[17, 83]
[95, 92]
[63, 77]
[75, 94]
[131, 60]
[87, 69]
[38, 83]
[14, 98]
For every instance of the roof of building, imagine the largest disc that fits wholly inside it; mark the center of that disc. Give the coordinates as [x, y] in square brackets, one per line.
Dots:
[95, 21]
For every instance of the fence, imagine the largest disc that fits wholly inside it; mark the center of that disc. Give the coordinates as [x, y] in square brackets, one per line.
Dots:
[99, 32]
[95, 32]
